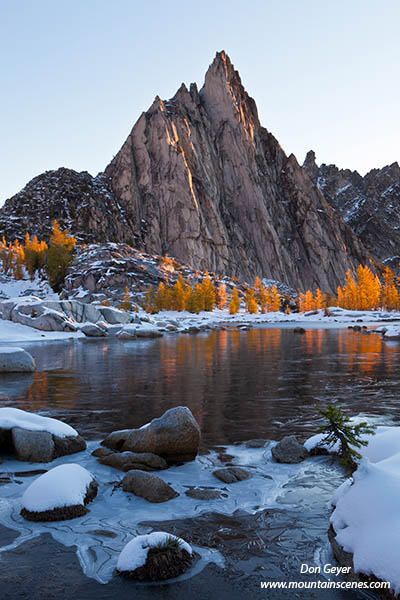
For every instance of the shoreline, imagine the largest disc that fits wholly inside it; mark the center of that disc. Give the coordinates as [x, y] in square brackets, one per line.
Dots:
[171, 322]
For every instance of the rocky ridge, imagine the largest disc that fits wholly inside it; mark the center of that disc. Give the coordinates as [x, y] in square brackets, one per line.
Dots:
[369, 204]
[199, 178]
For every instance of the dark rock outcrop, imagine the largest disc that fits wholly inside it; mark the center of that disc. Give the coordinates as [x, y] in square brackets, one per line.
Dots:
[81, 203]
[369, 204]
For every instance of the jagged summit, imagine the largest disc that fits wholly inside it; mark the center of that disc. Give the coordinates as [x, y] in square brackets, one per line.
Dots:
[199, 178]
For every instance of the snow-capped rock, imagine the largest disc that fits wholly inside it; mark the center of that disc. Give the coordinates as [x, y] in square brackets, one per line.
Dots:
[61, 493]
[156, 556]
[35, 438]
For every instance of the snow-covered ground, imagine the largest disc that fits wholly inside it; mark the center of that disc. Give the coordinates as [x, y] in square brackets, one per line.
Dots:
[12, 288]
[366, 517]
[15, 332]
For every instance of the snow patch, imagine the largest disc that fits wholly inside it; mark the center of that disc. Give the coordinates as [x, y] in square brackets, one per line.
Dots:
[15, 417]
[65, 485]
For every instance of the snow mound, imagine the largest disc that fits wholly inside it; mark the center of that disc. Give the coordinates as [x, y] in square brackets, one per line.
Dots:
[15, 417]
[65, 485]
[134, 555]
[367, 518]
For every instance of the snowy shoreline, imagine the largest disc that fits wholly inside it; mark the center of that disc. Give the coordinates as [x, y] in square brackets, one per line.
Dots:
[169, 322]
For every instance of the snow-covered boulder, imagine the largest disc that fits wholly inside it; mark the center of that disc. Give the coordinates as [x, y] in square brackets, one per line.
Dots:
[61, 493]
[289, 451]
[37, 439]
[127, 461]
[16, 360]
[155, 557]
[148, 486]
[175, 436]
[232, 474]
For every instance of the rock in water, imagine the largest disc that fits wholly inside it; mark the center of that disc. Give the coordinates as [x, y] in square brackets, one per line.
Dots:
[127, 461]
[175, 437]
[148, 486]
[16, 360]
[232, 474]
[204, 494]
[155, 557]
[34, 446]
[289, 450]
[61, 493]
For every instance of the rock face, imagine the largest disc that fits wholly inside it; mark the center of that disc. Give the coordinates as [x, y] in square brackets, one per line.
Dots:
[16, 360]
[199, 178]
[175, 437]
[148, 486]
[240, 206]
[289, 451]
[369, 204]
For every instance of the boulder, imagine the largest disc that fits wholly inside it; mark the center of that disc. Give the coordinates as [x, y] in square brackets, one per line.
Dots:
[16, 360]
[175, 437]
[34, 446]
[114, 316]
[127, 334]
[127, 461]
[148, 332]
[61, 493]
[232, 474]
[68, 445]
[289, 450]
[92, 330]
[148, 486]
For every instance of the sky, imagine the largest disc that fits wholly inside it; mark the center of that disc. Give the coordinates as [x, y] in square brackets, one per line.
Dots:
[76, 75]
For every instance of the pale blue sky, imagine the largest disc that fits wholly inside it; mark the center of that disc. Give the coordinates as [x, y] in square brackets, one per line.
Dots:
[76, 74]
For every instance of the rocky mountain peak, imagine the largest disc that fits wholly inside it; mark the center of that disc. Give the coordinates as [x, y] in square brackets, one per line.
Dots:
[310, 165]
[200, 179]
[225, 98]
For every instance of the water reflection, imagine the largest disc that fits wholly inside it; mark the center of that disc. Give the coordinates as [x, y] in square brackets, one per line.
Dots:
[238, 384]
